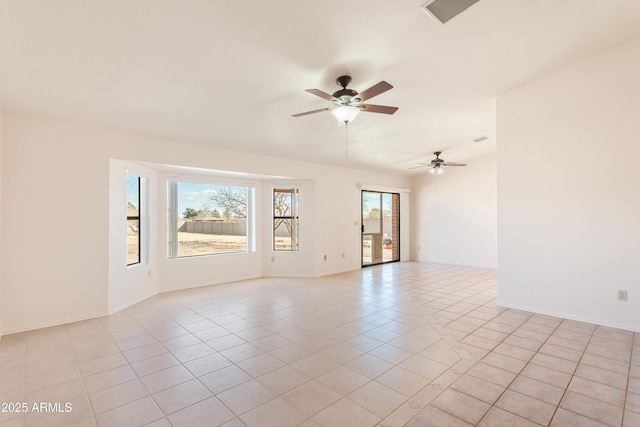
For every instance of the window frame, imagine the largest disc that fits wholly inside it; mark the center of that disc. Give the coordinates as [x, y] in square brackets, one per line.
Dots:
[294, 217]
[172, 193]
[135, 217]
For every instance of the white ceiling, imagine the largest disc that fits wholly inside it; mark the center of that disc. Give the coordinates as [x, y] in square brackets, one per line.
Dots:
[231, 73]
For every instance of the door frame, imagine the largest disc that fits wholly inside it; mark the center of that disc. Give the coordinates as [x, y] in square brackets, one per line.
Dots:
[395, 236]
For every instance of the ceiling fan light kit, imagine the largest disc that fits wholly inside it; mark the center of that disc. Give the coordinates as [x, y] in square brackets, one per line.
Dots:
[345, 113]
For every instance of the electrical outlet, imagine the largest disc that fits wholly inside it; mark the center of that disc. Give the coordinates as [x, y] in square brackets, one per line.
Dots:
[325, 257]
[273, 259]
[622, 295]
[342, 254]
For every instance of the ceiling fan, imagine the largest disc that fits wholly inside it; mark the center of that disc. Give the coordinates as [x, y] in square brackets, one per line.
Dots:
[437, 164]
[349, 102]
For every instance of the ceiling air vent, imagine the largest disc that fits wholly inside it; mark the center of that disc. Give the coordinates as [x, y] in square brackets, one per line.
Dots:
[444, 10]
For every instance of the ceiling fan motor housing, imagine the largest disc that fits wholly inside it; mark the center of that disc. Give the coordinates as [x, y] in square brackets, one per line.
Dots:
[344, 95]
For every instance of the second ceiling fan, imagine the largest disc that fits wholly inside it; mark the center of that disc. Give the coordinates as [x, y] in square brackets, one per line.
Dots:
[349, 102]
[437, 164]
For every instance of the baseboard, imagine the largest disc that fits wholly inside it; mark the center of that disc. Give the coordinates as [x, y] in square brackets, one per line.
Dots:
[627, 327]
[130, 303]
[52, 324]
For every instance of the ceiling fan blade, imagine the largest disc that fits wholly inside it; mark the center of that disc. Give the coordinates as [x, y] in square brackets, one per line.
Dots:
[370, 108]
[453, 164]
[418, 167]
[310, 112]
[374, 90]
[321, 94]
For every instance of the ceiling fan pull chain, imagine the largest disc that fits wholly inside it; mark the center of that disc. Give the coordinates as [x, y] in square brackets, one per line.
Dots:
[346, 140]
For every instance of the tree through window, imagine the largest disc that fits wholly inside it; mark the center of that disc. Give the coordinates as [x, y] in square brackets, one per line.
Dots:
[208, 219]
[285, 219]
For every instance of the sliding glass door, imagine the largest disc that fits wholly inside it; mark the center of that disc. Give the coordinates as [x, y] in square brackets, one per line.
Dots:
[380, 227]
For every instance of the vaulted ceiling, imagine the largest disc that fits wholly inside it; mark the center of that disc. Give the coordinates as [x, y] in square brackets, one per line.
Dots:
[231, 73]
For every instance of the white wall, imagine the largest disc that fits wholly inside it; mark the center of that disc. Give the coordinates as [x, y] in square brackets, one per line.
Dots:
[299, 263]
[454, 215]
[2, 297]
[130, 284]
[56, 237]
[568, 195]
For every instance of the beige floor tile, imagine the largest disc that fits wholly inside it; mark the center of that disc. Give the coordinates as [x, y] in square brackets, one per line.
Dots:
[182, 341]
[346, 413]
[631, 419]
[224, 379]
[140, 412]
[102, 364]
[377, 398]
[203, 414]
[546, 375]
[246, 396]
[497, 417]
[260, 365]
[181, 396]
[207, 364]
[434, 417]
[428, 368]
[135, 342]
[343, 380]
[193, 352]
[311, 397]
[561, 351]
[501, 361]
[538, 390]
[596, 390]
[283, 379]
[314, 365]
[52, 377]
[592, 408]
[341, 353]
[385, 325]
[564, 418]
[526, 407]
[241, 352]
[405, 382]
[112, 397]
[154, 364]
[166, 378]
[480, 389]
[46, 365]
[492, 374]
[225, 342]
[605, 363]
[515, 352]
[97, 352]
[391, 354]
[461, 406]
[441, 352]
[275, 413]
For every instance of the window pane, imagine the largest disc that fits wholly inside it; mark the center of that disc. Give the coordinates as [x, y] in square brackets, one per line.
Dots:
[285, 219]
[133, 219]
[282, 230]
[211, 219]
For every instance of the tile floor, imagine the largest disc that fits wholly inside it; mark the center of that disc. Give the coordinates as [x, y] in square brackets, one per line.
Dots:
[412, 344]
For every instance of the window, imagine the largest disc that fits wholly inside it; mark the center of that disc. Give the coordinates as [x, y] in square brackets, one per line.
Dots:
[208, 219]
[133, 219]
[285, 219]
